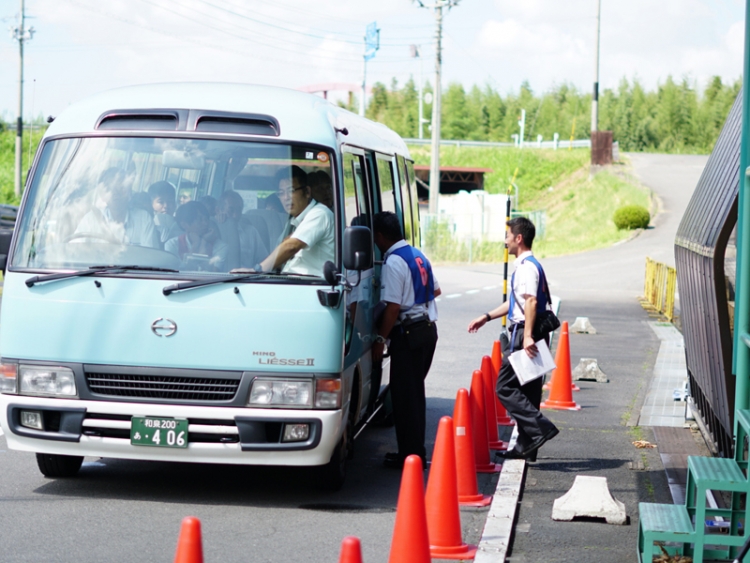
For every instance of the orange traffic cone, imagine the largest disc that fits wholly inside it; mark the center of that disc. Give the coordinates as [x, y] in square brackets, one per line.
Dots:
[189, 546]
[558, 357]
[479, 426]
[351, 551]
[411, 543]
[497, 359]
[493, 438]
[561, 395]
[466, 469]
[441, 501]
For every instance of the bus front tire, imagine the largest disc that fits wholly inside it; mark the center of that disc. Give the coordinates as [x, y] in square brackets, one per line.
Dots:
[52, 465]
[332, 475]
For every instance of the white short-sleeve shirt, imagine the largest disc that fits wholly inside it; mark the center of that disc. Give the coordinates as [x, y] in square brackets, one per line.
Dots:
[525, 283]
[314, 227]
[397, 286]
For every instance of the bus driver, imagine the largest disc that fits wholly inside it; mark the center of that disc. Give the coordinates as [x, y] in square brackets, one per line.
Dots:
[310, 241]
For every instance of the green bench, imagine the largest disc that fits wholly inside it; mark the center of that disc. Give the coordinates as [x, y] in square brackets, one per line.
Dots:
[683, 526]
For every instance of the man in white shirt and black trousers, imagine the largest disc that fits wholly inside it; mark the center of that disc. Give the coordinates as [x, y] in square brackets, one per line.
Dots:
[529, 295]
[409, 322]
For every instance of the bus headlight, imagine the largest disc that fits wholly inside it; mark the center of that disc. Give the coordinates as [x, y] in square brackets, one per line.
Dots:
[9, 378]
[327, 393]
[47, 381]
[281, 392]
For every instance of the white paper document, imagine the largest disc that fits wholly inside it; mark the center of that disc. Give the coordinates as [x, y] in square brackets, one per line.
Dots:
[528, 369]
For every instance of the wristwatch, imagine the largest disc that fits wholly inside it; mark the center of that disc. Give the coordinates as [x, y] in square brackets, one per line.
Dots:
[380, 339]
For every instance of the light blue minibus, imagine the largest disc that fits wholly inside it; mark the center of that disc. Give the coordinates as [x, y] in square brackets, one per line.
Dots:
[134, 331]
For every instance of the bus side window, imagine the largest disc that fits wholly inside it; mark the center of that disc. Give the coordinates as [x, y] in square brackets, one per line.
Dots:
[412, 183]
[406, 208]
[386, 184]
[356, 205]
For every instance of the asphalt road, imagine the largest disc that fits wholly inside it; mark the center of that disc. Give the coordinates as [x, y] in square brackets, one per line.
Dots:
[130, 511]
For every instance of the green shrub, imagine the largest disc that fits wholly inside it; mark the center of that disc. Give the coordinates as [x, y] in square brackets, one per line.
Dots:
[631, 217]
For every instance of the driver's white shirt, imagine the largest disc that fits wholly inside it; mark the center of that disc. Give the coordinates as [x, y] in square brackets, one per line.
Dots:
[138, 228]
[314, 227]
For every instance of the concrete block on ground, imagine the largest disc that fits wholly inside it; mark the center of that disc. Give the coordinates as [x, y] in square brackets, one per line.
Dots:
[588, 370]
[582, 325]
[589, 497]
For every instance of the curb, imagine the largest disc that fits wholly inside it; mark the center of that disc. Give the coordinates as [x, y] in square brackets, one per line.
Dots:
[498, 528]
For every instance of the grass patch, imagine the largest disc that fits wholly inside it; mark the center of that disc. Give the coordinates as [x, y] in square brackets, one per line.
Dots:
[538, 169]
[580, 209]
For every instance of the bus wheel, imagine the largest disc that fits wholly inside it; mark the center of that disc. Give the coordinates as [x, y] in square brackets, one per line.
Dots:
[52, 465]
[332, 475]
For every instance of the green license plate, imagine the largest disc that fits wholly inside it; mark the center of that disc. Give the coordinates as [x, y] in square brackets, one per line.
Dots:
[159, 432]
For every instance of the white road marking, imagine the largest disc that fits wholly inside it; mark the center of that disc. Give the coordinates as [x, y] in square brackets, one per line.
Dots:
[437, 300]
[472, 291]
[489, 287]
[453, 296]
[1, 431]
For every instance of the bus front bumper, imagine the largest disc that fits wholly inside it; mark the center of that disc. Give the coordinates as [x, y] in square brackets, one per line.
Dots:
[242, 436]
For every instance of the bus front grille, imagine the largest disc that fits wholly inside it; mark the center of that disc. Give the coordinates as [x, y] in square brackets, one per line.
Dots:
[162, 387]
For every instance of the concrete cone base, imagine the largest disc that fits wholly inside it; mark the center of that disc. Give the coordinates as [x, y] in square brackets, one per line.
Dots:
[582, 326]
[590, 497]
[588, 370]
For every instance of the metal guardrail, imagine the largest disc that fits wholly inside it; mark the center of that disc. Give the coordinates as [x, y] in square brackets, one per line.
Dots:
[561, 144]
[659, 288]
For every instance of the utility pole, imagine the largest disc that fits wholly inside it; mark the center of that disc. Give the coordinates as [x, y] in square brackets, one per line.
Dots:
[372, 44]
[435, 160]
[595, 97]
[20, 34]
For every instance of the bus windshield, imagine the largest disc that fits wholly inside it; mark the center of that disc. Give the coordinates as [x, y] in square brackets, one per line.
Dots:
[194, 206]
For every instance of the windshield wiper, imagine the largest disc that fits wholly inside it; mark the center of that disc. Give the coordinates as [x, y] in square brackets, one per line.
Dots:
[92, 271]
[200, 283]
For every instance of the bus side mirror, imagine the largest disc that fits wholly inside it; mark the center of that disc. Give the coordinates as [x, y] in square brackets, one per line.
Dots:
[357, 248]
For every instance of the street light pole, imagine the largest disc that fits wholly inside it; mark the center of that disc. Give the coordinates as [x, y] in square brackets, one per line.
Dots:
[435, 160]
[595, 97]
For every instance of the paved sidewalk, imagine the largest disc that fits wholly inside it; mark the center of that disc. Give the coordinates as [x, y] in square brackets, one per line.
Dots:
[598, 440]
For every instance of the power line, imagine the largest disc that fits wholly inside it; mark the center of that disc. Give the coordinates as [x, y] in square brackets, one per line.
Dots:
[297, 9]
[357, 42]
[191, 41]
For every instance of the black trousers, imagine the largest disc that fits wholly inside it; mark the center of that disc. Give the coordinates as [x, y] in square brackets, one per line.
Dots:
[521, 401]
[408, 371]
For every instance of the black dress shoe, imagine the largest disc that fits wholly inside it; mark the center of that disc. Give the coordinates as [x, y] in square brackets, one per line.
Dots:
[396, 461]
[539, 442]
[512, 454]
[530, 451]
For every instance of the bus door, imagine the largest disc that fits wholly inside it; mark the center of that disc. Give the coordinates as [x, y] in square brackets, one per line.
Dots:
[361, 302]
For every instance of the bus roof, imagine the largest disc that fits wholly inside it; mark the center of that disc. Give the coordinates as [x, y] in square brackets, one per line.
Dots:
[302, 117]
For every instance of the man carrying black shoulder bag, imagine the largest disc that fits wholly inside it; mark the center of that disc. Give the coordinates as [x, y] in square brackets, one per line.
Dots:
[530, 320]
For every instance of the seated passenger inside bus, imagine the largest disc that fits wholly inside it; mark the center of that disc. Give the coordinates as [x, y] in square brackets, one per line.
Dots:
[113, 220]
[162, 196]
[322, 188]
[199, 247]
[243, 240]
[309, 243]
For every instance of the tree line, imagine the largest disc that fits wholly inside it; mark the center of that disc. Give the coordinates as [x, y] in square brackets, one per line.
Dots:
[675, 117]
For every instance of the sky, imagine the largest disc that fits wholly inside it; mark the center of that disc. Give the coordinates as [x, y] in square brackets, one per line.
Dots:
[85, 46]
